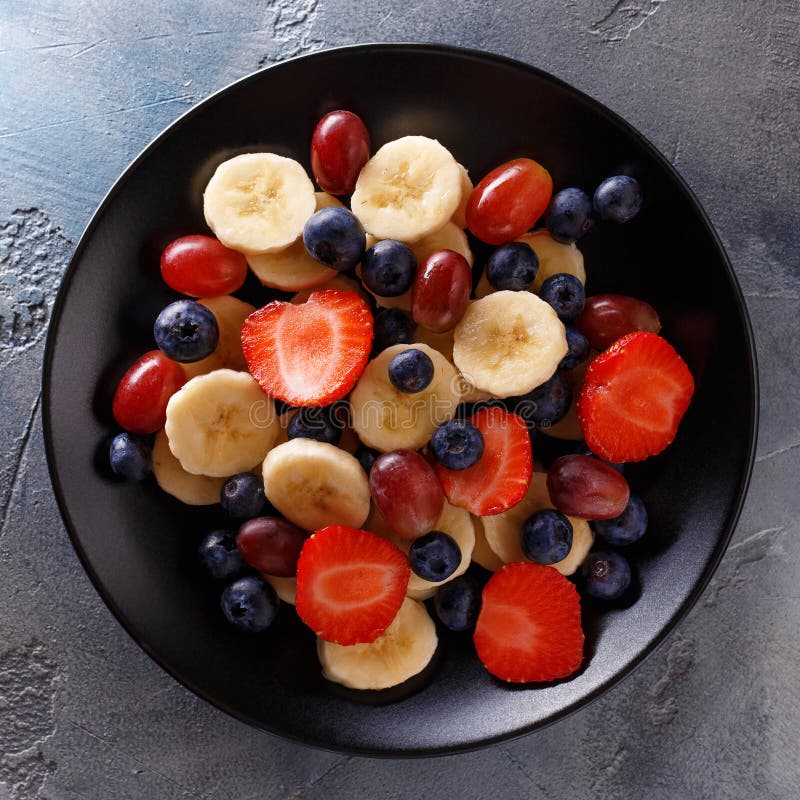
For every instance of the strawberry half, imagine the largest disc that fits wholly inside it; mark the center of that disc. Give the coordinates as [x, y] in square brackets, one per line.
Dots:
[350, 584]
[633, 398]
[500, 477]
[529, 625]
[309, 354]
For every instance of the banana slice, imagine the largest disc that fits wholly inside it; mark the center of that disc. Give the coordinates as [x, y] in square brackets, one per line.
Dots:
[482, 554]
[339, 281]
[293, 269]
[408, 189]
[504, 531]
[230, 314]
[220, 424]
[460, 214]
[403, 650]
[285, 588]
[258, 202]
[568, 427]
[194, 490]
[554, 257]
[314, 484]
[448, 237]
[507, 343]
[387, 419]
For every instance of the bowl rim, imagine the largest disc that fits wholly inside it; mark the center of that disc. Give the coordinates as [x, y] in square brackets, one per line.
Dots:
[610, 116]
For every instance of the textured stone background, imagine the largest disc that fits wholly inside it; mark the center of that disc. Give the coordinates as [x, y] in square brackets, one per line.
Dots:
[84, 713]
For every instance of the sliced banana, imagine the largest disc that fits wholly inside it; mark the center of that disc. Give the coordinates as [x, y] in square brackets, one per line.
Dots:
[285, 588]
[482, 554]
[403, 650]
[408, 189]
[194, 490]
[315, 484]
[448, 237]
[507, 343]
[258, 202]
[293, 269]
[387, 419]
[460, 214]
[220, 423]
[568, 427]
[230, 314]
[504, 531]
[339, 282]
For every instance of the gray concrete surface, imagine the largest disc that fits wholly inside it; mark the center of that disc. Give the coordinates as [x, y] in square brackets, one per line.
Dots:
[84, 713]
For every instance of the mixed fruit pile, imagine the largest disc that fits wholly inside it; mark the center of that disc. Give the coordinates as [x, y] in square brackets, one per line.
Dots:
[371, 437]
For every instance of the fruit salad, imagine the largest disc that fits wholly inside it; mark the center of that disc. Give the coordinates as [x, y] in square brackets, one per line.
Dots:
[370, 424]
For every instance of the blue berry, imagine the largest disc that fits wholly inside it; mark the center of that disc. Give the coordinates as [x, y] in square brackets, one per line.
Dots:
[546, 537]
[512, 266]
[578, 346]
[218, 555]
[411, 371]
[607, 575]
[388, 268]
[434, 556]
[335, 238]
[242, 496]
[565, 293]
[583, 450]
[316, 423]
[457, 444]
[618, 199]
[366, 457]
[249, 604]
[628, 527]
[392, 326]
[458, 603]
[130, 457]
[570, 215]
[546, 404]
[186, 331]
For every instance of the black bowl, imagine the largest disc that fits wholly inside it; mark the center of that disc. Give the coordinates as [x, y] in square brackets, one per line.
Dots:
[137, 544]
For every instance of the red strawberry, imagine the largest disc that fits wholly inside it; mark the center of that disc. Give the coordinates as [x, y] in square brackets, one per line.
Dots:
[500, 478]
[310, 354]
[633, 398]
[529, 626]
[350, 584]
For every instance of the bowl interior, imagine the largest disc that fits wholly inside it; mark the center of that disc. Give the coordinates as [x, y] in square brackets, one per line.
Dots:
[138, 544]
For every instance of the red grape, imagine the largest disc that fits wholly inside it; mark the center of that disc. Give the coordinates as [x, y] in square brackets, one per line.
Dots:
[201, 266]
[407, 492]
[141, 397]
[585, 487]
[271, 545]
[441, 289]
[509, 200]
[608, 317]
[339, 149]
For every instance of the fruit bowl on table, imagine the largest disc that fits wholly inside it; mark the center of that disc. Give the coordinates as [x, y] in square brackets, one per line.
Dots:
[139, 545]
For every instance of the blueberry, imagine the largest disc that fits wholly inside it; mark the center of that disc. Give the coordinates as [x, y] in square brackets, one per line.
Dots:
[546, 537]
[249, 604]
[457, 603]
[392, 326]
[583, 450]
[607, 575]
[242, 496]
[411, 371]
[434, 556]
[546, 404]
[186, 331]
[570, 215]
[388, 268]
[628, 527]
[578, 346]
[218, 555]
[565, 293]
[457, 444]
[618, 199]
[366, 457]
[335, 238]
[130, 456]
[316, 423]
[512, 266]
